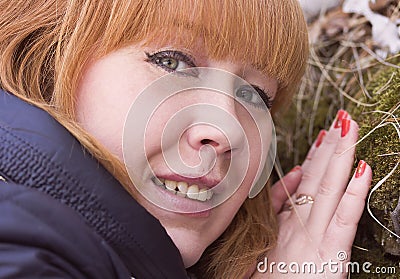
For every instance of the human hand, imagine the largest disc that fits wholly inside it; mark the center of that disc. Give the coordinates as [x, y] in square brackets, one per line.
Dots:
[320, 230]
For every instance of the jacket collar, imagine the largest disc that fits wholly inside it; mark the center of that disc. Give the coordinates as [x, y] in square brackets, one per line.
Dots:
[38, 152]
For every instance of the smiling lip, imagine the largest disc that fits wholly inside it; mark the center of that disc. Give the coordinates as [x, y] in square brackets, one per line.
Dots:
[179, 201]
[192, 190]
[201, 181]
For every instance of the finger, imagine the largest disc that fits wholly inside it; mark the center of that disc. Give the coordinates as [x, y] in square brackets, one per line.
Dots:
[284, 187]
[335, 180]
[343, 226]
[313, 148]
[315, 169]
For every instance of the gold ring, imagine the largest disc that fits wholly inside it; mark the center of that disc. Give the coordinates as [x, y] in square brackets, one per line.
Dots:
[304, 199]
[300, 200]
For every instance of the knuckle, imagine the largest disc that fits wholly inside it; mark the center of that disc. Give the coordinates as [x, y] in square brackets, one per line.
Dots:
[344, 148]
[307, 176]
[341, 221]
[326, 189]
[331, 139]
[354, 195]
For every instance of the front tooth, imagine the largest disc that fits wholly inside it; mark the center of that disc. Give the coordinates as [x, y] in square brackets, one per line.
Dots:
[170, 185]
[202, 195]
[182, 189]
[193, 192]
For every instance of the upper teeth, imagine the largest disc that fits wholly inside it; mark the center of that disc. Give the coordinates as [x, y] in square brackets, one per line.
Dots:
[183, 189]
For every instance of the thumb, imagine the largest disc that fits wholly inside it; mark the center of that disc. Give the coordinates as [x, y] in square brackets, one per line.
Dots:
[285, 187]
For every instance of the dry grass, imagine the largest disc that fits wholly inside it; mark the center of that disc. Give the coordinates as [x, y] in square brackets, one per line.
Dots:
[344, 66]
[342, 62]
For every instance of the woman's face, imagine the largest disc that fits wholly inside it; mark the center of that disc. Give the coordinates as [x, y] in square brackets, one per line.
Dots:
[110, 86]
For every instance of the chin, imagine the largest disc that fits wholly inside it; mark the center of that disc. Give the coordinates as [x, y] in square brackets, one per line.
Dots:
[191, 244]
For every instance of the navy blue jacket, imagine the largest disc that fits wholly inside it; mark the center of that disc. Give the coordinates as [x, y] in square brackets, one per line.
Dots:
[62, 215]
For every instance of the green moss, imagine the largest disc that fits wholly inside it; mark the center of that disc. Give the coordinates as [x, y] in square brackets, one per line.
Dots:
[377, 147]
[315, 109]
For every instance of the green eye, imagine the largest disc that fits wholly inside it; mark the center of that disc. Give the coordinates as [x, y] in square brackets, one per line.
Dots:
[168, 62]
[171, 60]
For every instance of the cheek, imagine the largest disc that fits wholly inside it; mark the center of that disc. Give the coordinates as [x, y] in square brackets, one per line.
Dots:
[154, 129]
[258, 127]
[104, 96]
[101, 117]
[159, 124]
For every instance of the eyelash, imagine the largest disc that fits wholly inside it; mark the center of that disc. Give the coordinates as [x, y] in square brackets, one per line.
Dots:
[174, 54]
[268, 101]
[179, 56]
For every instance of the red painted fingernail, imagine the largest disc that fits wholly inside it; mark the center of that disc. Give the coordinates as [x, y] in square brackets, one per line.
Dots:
[342, 114]
[320, 137]
[296, 168]
[360, 168]
[345, 127]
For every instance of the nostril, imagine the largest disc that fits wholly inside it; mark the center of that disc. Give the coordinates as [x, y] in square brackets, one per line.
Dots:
[209, 142]
[206, 141]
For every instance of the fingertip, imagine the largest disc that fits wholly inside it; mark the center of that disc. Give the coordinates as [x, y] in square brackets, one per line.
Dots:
[368, 173]
[363, 169]
[296, 169]
[363, 175]
[337, 122]
[320, 137]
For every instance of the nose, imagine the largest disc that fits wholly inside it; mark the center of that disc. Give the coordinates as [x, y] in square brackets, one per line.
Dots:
[204, 134]
[225, 135]
[214, 115]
